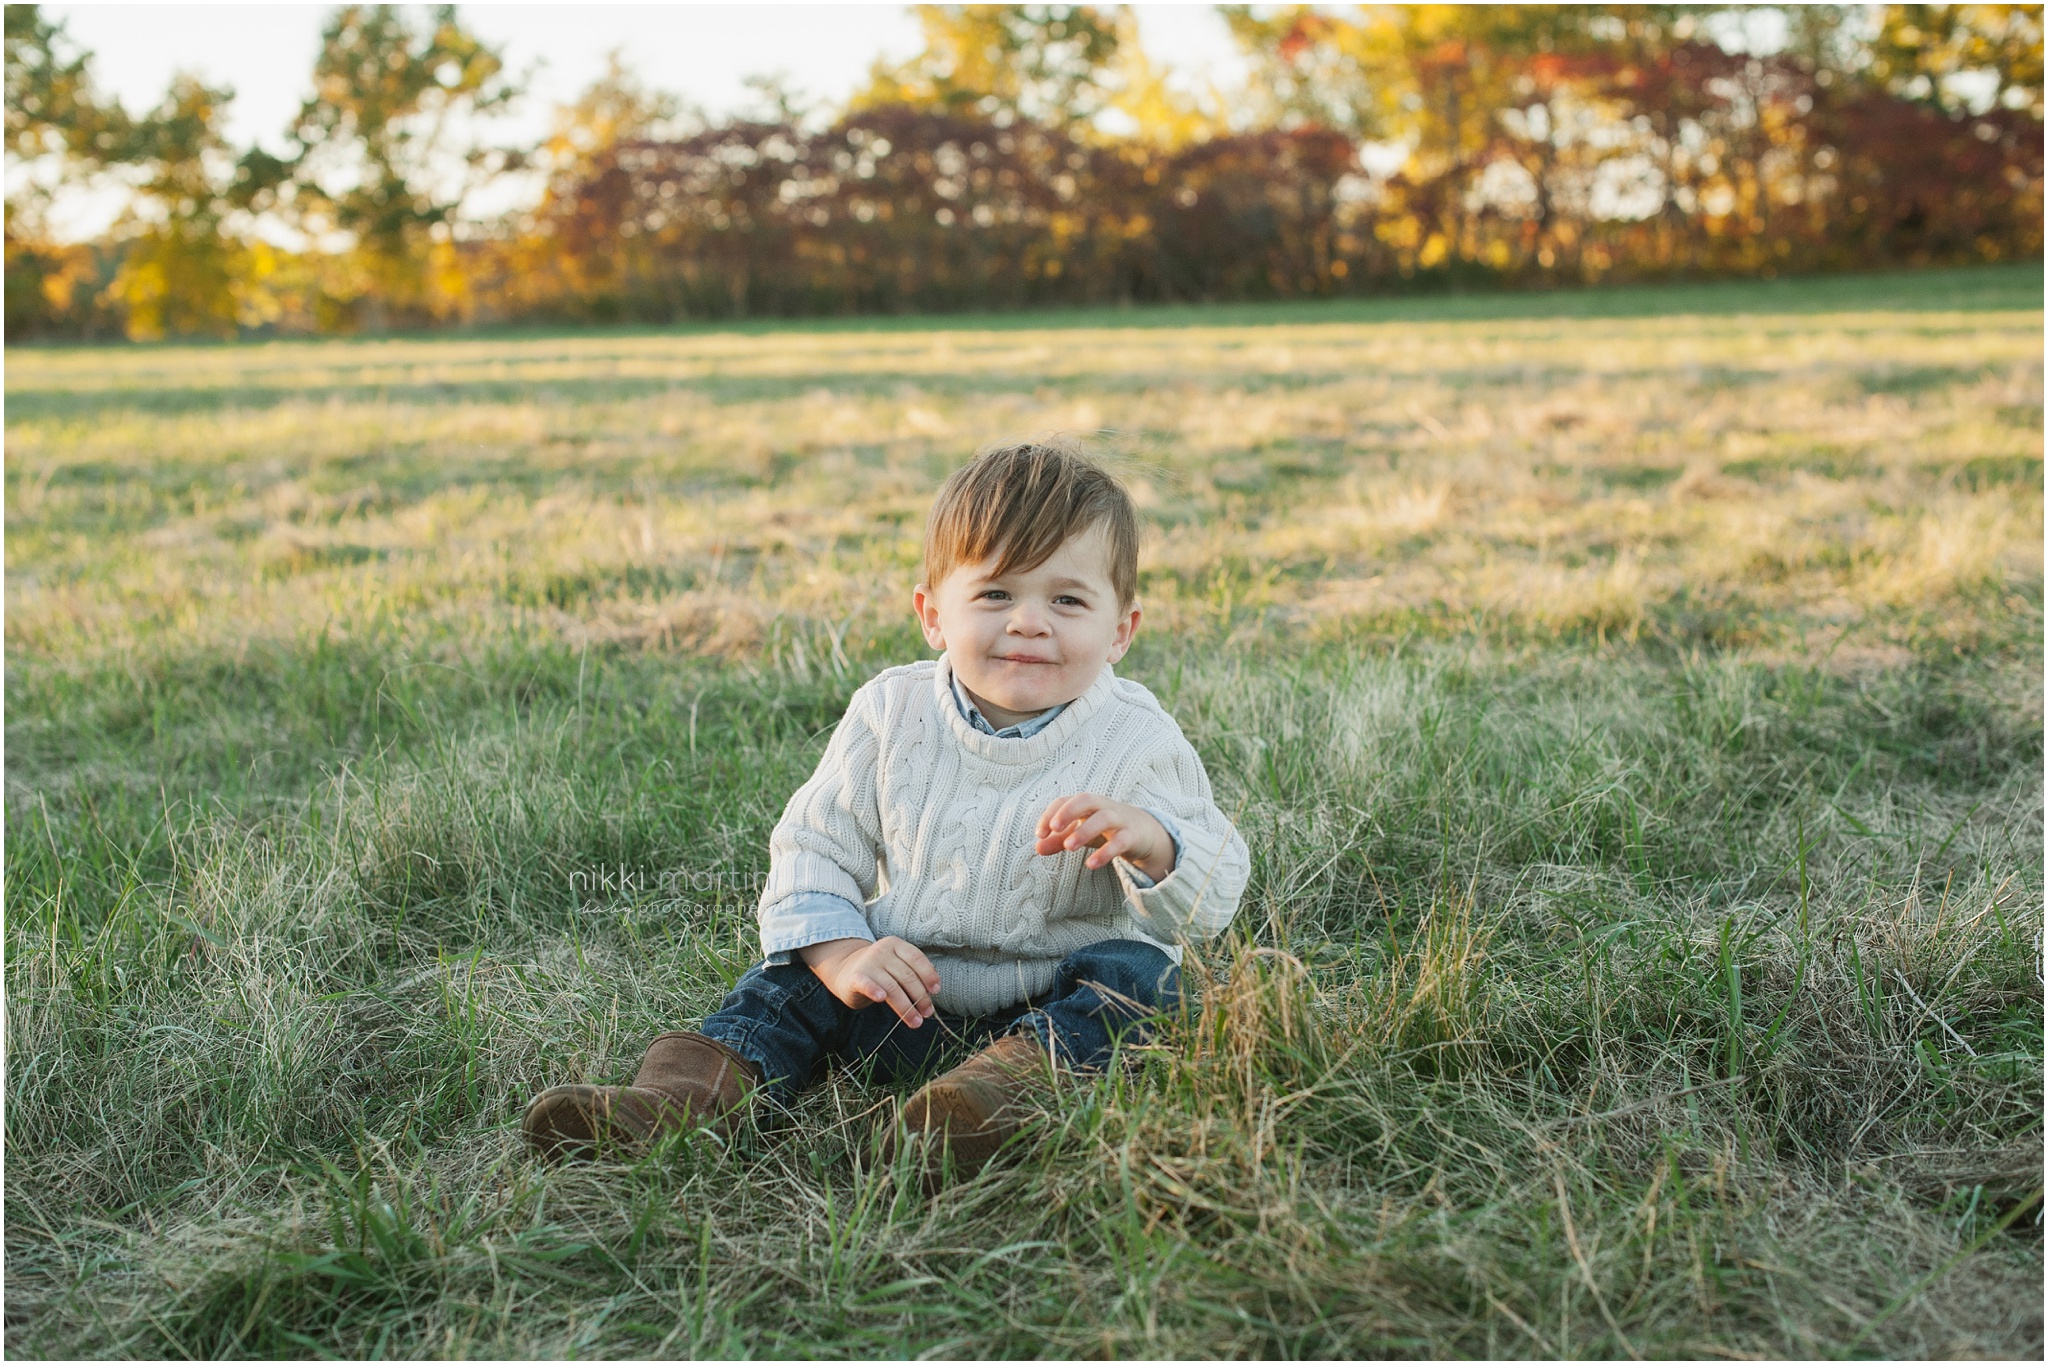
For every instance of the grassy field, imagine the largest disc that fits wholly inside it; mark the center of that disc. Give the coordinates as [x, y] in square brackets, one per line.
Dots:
[1632, 701]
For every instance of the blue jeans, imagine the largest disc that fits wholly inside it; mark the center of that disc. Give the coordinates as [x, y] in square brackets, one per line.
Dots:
[786, 1022]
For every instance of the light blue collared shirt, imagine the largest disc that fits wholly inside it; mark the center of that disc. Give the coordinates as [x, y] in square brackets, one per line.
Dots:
[819, 916]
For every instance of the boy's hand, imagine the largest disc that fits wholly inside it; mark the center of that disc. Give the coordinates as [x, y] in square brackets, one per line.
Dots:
[1114, 829]
[889, 971]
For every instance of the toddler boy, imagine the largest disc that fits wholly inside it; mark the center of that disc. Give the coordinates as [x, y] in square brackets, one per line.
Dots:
[1007, 843]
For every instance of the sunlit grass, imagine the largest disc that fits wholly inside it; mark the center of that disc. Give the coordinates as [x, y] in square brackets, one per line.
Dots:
[1731, 480]
[1635, 717]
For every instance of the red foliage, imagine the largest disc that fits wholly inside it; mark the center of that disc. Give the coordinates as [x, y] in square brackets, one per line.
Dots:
[1734, 166]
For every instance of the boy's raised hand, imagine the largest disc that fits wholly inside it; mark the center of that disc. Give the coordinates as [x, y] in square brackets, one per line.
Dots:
[1114, 829]
[890, 971]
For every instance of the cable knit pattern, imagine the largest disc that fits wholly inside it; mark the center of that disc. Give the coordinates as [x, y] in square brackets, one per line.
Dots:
[929, 825]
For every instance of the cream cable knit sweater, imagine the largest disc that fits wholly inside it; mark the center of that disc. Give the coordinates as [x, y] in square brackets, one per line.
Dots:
[930, 825]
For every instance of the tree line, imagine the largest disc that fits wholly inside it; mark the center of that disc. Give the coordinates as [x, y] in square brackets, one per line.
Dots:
[1030, 155]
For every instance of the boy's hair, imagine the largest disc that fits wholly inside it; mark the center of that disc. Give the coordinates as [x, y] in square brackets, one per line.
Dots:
[1017, 504]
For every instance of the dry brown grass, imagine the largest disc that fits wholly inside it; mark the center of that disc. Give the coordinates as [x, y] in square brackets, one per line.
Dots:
[1635, 722]
[1731, 480]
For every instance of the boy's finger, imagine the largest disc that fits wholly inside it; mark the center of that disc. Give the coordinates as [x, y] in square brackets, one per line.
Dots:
[1049, 818]
[907, 981]
[1115, 846]
[907, 1012]
[1066, 810]
[1083, 804]
[1091, 829]
[922, 965]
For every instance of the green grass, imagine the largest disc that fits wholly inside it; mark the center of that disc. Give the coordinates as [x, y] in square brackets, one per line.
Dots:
[1635, 719]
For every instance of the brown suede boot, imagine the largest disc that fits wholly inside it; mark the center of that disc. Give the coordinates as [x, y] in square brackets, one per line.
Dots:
[684, 1078]
[974, 1109]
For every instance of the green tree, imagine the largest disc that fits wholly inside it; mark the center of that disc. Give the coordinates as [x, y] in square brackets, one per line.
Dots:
[51, 106]
[387, 152]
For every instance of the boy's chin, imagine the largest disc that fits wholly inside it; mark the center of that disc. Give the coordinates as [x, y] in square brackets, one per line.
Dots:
[1020, 692]
[1025, 702]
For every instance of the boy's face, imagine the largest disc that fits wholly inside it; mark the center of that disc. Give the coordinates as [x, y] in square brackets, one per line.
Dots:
[1028, 640]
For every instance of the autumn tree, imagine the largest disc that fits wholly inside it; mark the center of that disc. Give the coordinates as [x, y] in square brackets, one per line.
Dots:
[57, 129]
[1945, 54]
[581, 242]
[180, 271]
[1462, 94]
[1050, 65]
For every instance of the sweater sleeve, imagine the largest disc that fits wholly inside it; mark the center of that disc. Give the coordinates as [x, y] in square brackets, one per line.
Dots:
[827, 845]
[1199, 898]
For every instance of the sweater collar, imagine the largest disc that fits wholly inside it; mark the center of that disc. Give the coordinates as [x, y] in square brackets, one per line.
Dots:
[1032, 748]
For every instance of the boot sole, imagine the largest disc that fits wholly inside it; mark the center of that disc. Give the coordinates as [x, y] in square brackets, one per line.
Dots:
[578, 1122]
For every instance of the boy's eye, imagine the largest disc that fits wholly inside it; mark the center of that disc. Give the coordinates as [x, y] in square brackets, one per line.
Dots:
[1065, 599]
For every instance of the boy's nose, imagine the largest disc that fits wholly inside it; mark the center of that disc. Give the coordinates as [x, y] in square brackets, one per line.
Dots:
[1026, 620]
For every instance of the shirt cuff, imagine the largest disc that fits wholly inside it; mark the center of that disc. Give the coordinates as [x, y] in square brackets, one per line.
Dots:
[1189, 901]
[806, 918]
[1138, 878]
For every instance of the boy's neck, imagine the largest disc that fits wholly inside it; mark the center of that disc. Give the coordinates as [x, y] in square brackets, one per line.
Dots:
[1000, 717]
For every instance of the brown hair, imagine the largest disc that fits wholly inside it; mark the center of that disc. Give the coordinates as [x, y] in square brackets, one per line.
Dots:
[1017, 504]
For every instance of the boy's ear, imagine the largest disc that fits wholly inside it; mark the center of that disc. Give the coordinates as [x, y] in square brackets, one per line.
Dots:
[925, 604]
[1126, 631]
